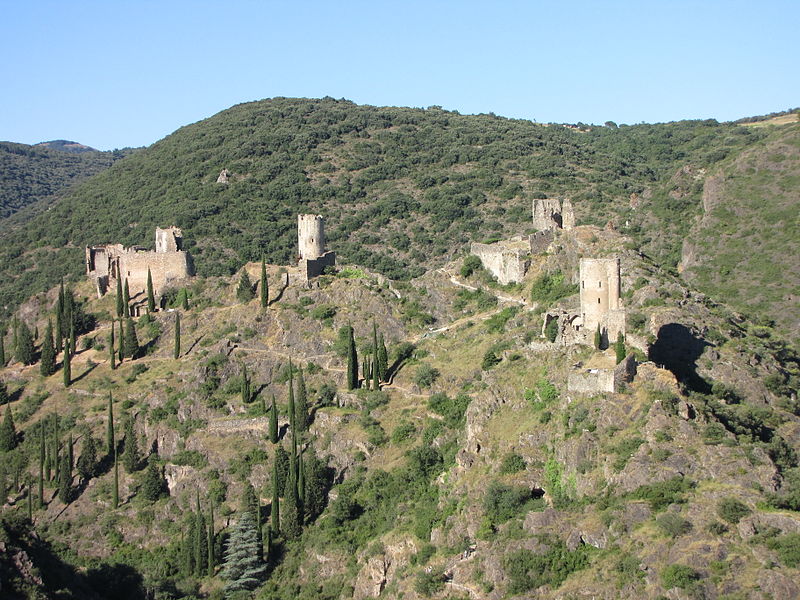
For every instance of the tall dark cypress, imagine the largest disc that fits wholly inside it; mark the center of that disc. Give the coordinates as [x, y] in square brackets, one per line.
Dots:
[61, 329]
[2, 346]
[126, 300]
[72, 339]
[301, 406]
[275, 508]
[352, 361]
[112, 353]
[264, 285]
[120, 299]
[374, 370]
[24, 350]
[8, 431]
[383, 358]
[115, 499]
[151, 299]
[131, 342]
[110, 426]
[291, 517]
[41, 464]
[67, 366]
[292, 419]
[58, 335]
[121, 344]
[273, 422]
[185, 299]
[130, 454]
[177, 350]
[245, 386]
[30, 500]
[64, 480]
[47, 365]
[200, 543]
[210, 542]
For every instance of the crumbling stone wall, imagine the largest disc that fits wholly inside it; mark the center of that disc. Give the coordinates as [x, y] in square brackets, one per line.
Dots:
[595, 381]
[507, 263]
[550, 213]
[168, 264]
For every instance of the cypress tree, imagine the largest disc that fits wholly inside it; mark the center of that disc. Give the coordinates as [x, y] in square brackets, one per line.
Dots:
[352, 361]
[112, 353]
[291, 506]
[30, 500]
[266, 544]
[4, 397]
[120, 299]
[56, 448]
[41, 464]
[153, 483]
[58, 339]
[264, 285]
[88, 458]
[301, 406]
[2, 347]
[242, 567]
[374, 372]
[121, 343]
[64, 480]
[72, 339]
[292, 420]
[110, 427]
[126, 301]
[131, 342]
[70, 453]
[374, 369]
[210, 542]
[25, 351]
[365, 372]
[115, 499]
[619, 348]
[383, 359]
[200, 544]
[245, 290]
[8, 431]
[598, 338]
[151, 299]
[177, 351]
[185, 299]
[301, 479]
[275, 508]
[130, 454]
[67, 366]
[245, 386]
[187, 546]
[273, 422]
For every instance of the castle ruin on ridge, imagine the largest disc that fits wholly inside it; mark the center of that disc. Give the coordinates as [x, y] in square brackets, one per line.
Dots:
[314, 256]
[509, 260]
[168, 264]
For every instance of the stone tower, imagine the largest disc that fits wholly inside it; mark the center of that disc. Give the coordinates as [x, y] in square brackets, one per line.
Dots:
[311, 236]
[550, 213]
[600, 299]
[314, 257]
[169, 239]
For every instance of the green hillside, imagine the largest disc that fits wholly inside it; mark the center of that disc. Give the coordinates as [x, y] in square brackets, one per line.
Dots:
[402, 189]
[35, 174]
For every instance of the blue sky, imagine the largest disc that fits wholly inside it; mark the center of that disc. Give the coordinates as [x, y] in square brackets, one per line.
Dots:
[113, 74]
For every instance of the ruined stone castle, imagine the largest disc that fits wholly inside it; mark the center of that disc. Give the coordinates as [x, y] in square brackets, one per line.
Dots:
[314, 256]
[168, 264]
[550, 214]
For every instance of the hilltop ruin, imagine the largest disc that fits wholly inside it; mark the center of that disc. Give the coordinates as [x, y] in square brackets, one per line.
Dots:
[168, 264]
[314, 256]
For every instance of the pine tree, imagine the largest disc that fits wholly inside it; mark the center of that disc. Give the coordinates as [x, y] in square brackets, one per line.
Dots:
[275, 508]
[112, 353]
[64, 480]
[244, 292]
[151, 299]
[88, 458]
[264, 285]
[67, 366]
[110, 439]
[131, 342]
[177, 351]
[301, 406]
[126, 301]
[273, 422]
[383, 359]
[120, 300]
[352, 361]
[619, 348]
[25, 351]
[290, 523]
[130, 454]
[598, 338]
[242, 568]
[8, 431]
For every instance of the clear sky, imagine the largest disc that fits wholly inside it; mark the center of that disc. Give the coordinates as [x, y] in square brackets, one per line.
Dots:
[117, 73]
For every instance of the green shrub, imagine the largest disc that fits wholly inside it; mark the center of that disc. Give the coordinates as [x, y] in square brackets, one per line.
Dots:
[490, 359]
[403, 432]
[323, 312]
[551, 287]
[452, 409]
[426, 375]
[497, 322]
[428, 584]
[716, 528]
[673, 525]
[471, 264]
[512, 463]
[679, 576]
[527, 571]
[732, 510]
[502, 502]
[551, 330]
[543, 394]
[788, 548]
[663, 493]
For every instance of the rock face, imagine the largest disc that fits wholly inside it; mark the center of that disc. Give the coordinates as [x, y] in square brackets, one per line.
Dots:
[224, 176]
[379, 570]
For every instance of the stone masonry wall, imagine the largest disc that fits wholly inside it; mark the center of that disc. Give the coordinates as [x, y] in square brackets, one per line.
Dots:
[508, 265]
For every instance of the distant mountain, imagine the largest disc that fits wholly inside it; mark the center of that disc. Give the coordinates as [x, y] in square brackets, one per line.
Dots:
[66, 146]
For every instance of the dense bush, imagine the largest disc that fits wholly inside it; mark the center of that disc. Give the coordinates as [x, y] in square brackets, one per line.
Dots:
[679, 576]
[732, 510]
[663, 493]
[527, 571]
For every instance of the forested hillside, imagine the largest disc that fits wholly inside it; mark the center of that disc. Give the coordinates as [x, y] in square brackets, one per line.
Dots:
[30, 174]
[402, 189]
